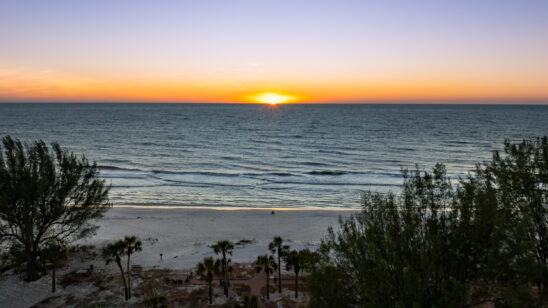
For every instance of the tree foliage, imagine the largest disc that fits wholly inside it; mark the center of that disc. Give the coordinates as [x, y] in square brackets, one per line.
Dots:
[46, 194]
[113, 252]
[436, 244]
[224, 248]
[267, 264]
[277, 246]
[295, 261]
[207, 269]
[55, 254]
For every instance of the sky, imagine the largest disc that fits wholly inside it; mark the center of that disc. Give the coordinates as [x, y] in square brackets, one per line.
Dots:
[295, 51]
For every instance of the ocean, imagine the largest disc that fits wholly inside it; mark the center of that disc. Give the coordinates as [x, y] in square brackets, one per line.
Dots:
[259, 156]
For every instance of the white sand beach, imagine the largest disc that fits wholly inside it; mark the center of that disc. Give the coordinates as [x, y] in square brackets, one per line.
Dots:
[183, 235]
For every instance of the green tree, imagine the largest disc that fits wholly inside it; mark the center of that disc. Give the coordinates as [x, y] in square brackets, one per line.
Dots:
[132, 244]
[46, 194]
[113, 252]
[520, 175]
[56, 255]
[225, 248]
[268, 264]
[329, 286]
[277, 246]
[481, 242]
[397, 252]
[206, 270]
[508, 222]
[295, 260]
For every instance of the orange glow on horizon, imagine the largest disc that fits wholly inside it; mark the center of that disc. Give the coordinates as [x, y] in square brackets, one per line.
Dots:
[18, 85]
[272, 98]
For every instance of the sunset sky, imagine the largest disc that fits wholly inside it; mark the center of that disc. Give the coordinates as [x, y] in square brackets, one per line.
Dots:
[304, 51]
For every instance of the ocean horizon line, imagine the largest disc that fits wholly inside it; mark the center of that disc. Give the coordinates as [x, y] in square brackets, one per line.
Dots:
[540, 102]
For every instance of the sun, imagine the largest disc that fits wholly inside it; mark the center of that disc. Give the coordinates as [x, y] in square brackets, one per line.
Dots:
[272, 98]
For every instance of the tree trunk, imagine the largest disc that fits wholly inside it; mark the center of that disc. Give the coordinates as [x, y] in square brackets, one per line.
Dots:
[210, 294]
[124, 279]
[279, 273]
[53, 279]
[128, 277]
[267, 285]
[225, 275]
[296, 285]
[31, 269]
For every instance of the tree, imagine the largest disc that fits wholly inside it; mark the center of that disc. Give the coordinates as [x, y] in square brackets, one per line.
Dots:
[224, 247]
[294, 260]
[520, 175]
[434, 244]
[512, 192]
[46, 194]
[206, 270]
[132, 244]
[114, 252]
[56, 255]
[276, 246]
[268, 264]
[397, 251]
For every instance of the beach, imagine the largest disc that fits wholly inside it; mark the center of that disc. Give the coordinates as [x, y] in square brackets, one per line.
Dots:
[183, 236]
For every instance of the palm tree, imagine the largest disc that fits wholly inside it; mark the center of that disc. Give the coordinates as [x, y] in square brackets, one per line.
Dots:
[269, 265]
[294, 260]
[112, 253]
[133, 244]
[277, 246]
[206, 269]
[224, 247]
[56, 254]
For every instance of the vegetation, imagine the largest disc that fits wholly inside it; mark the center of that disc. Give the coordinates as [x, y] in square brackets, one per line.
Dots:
[56, 255]
[155, 301]
[224, 247]
[294, 260]
[268, 264]
[113, 252]
[45, 195]
[206, 270]
[481, 242]
[132, 244]
[277, 246]
[248, 302]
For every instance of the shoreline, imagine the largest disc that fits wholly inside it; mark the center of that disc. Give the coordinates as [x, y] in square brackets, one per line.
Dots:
[184, 235]
[235, 208]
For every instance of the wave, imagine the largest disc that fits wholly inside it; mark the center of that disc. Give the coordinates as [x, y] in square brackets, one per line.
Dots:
[311, 163]
[115, 168]
[124, 177]
[326, 172]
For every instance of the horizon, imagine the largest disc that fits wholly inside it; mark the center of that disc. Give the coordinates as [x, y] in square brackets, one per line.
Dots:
[488, 52]
[534, 102]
